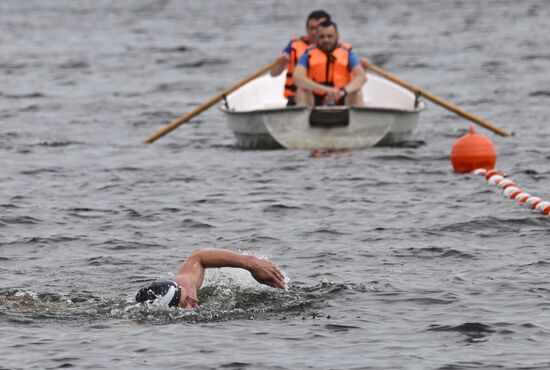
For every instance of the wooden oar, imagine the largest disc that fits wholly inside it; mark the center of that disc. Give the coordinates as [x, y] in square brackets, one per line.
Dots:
[208, 104]
[443, 103]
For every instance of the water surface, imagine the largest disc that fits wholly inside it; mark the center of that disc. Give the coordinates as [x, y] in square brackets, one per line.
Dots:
[394, 261]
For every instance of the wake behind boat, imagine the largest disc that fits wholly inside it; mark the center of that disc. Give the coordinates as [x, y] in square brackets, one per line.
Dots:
[258, 116]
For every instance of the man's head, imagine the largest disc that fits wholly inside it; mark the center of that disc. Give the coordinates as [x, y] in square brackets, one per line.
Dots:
[327, 36]
[166, 293]
[313, 20]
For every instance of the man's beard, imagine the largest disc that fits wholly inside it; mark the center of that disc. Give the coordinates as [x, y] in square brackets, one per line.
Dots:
[328, 49]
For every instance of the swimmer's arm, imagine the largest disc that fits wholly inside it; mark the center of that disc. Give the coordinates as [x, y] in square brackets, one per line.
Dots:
[263, 271]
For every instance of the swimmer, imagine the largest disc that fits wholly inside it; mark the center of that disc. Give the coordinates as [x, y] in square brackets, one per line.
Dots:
[182, 290]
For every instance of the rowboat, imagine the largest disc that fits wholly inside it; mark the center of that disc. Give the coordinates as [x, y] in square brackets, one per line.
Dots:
[257, 115]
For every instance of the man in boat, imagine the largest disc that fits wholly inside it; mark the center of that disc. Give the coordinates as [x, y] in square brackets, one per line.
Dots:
[182, 290]
[294, 50]
[329, 73]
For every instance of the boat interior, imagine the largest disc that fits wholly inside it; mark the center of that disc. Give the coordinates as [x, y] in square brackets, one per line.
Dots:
[266, 92]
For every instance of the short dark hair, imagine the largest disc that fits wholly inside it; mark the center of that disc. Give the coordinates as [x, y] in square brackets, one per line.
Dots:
[326, 24]
[317, 14]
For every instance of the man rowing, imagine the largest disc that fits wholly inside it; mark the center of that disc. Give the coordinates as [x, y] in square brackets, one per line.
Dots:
[182, 290]
[329, 73]
[294, 50]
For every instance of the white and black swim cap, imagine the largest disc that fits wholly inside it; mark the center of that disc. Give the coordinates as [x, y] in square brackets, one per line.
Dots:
[166, 293]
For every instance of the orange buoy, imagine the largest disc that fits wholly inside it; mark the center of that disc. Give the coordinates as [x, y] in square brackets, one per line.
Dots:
[473, 151]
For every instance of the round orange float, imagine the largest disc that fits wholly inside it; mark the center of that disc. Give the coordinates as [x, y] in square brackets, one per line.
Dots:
[473, 151]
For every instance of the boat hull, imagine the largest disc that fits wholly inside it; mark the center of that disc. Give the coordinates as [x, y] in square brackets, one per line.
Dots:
[357, 128]
[250, 131]
[259, 119]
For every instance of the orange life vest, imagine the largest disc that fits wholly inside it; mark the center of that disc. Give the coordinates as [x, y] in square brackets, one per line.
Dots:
[329, 70]
[298, 46]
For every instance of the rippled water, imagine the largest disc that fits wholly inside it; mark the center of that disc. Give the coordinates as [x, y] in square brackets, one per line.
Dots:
[394, 261]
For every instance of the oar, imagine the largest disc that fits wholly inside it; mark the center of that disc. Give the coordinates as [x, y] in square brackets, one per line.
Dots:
[208, 104]
[443, 103]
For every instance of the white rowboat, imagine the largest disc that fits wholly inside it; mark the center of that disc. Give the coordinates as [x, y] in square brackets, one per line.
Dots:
[258, 116]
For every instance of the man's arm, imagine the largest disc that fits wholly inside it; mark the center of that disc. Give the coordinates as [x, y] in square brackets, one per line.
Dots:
[278, 68]
[304, 82]
[358, 80]
[263, 271]
[365, 63]
[283, 59]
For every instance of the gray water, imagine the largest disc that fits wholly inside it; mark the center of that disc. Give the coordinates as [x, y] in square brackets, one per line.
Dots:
[394, 261]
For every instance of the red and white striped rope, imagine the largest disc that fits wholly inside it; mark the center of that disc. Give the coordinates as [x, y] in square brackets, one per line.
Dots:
[512, 190]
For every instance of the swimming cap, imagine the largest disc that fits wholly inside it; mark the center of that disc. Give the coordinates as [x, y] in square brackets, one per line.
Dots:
[166, 293]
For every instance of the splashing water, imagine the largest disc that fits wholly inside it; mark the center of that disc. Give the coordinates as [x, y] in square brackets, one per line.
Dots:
[228, 294]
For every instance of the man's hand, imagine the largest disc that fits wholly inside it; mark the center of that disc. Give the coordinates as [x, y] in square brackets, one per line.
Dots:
[188, 286]
[333, 95]
[365, 63]
[267, 273]
[283, 60]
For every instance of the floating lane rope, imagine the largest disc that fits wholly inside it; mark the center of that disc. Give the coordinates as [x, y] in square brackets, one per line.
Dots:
[476, 154]
[512, 190]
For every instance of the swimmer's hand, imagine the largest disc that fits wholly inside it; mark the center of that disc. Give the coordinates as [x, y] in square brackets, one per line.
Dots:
[267, 273]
